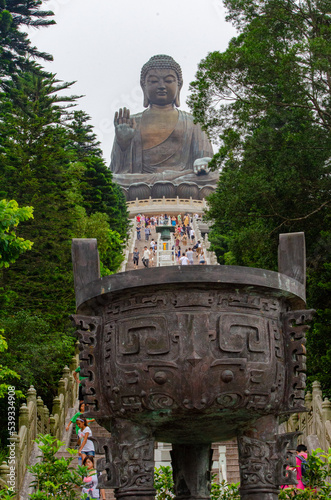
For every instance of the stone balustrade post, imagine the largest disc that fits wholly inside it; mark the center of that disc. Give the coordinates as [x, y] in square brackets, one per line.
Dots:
[70, 393]
[31, 395]
[308, 400]
[40, 415]
[4, 472]
[66, 373]
[317, 400]
[73, 363]
[62, 406]
[14, 444]
[23, 418]
[56, 411]
[46, 420]
[317, 392]
[326, 416]
[32, 415]
[326, 410]
[52, 423]
[295, 422]
[309, 417]
[62, 387]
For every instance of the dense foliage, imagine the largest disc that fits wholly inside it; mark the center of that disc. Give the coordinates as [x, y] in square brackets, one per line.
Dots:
[56, 477]
[317, 477]
[267, 100]
[51, 163]
[11, 245]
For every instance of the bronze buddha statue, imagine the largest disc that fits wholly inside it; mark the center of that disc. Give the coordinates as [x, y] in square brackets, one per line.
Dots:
[161, 151]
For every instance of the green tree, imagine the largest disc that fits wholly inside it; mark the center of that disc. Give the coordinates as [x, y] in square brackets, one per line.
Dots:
[29, 336]
[266, 99]
[55, 477]
[39, 163]
[34, 169]
[15, 45]
[5, 372]
[164, 483]
[11, 245]
[99, 192]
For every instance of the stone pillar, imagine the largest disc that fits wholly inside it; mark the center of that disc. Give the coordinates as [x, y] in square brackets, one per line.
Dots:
[132, 456]
[56, 405]
[191, 464]
[41, 416]
[4, 472]
[259, 461]
[23, 418]
[46, 420]
[317, 400]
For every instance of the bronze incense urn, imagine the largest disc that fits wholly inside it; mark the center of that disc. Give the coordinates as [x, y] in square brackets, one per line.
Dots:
[192, 355]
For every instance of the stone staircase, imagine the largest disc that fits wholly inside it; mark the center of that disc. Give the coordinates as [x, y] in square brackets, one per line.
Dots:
[97, 432]
[225, 456]
[225, 461]
[140, 244]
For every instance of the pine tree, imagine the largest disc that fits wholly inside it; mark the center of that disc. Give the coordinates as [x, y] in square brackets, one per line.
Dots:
[34, 171]
[15, 45]
[99, 192]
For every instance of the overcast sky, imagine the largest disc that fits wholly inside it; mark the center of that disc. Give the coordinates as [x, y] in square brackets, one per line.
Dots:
[103, 45]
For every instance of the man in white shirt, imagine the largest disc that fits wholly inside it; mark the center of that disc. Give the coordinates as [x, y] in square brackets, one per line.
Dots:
[189, 255]
[184, 260]
[146, 257]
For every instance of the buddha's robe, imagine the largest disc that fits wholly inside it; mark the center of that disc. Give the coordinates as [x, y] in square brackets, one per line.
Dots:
[171, 160]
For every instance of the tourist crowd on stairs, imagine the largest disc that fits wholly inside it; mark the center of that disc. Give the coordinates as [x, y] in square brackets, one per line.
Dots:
[185, 248]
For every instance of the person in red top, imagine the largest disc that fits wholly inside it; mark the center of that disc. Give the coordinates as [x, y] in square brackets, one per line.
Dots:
[301, 452]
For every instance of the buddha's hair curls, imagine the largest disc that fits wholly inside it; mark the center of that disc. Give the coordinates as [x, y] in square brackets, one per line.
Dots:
[161, 61]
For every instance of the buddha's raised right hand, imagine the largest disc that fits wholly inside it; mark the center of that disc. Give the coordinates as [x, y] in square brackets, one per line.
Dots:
[124, 127]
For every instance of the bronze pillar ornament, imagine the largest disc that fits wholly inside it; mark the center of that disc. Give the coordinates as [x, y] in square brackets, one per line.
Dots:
[191, 355]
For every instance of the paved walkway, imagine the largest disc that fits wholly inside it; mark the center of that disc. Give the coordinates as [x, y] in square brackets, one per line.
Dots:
[140, 244]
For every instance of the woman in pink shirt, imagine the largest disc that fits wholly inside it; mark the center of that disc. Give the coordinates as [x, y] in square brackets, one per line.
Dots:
[301, 452]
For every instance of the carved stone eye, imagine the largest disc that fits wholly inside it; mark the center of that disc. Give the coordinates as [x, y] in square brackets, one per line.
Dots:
[160, 377]
[227, 376]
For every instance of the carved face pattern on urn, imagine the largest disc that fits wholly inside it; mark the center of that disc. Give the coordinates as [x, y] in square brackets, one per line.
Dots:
[161, 87]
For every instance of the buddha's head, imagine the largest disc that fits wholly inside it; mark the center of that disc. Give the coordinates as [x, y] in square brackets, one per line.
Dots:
[161, 81]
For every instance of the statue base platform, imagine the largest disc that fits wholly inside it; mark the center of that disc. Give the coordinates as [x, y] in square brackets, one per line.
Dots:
[170, 206]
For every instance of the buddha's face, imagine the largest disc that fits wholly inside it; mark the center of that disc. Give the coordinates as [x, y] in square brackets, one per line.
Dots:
[161, 86]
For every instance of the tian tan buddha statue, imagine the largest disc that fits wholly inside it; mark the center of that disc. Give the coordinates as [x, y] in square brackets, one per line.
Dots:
[161, 152]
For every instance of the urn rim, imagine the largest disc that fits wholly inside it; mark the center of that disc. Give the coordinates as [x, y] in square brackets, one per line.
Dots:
[237, 277]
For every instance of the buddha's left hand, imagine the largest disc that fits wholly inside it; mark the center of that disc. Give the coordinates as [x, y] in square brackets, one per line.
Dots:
[200, 166]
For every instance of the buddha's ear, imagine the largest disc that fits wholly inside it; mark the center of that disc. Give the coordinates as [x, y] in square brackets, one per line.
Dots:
[146, 101]
[177, 99]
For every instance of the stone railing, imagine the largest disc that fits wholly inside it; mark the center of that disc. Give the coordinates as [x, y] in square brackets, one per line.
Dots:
[129, 246]
[165, 255]
[315, 425]
[210, 256]
[165, 205]
[34, 419]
